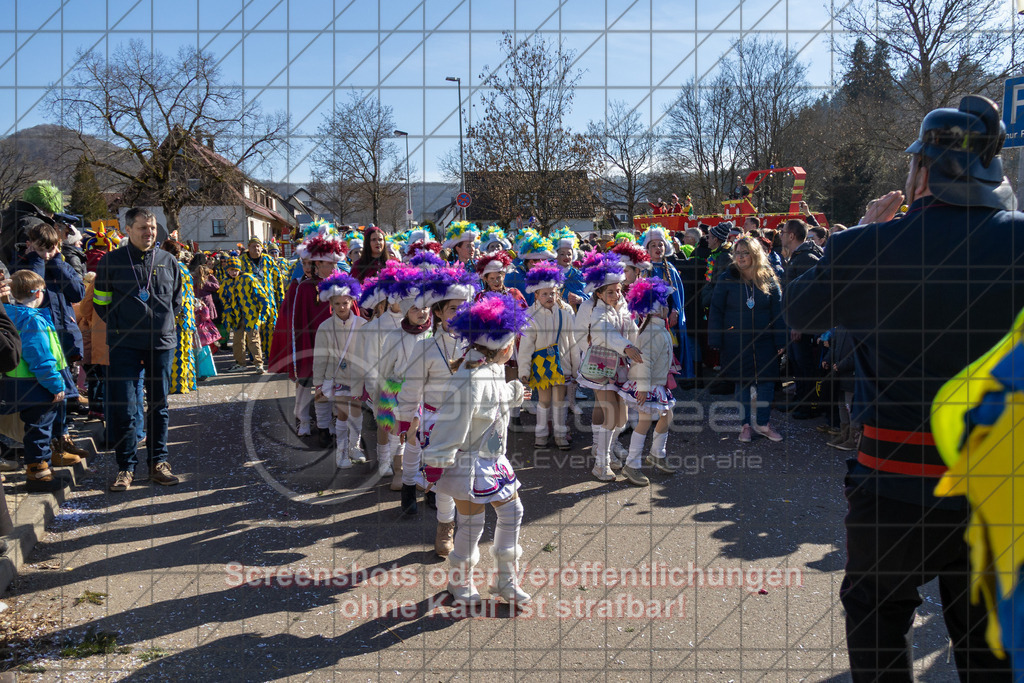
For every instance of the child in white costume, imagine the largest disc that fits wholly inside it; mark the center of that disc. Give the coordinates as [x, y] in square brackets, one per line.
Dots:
[646, 388]
[387, 317]
[337, 371]
[432, 365]
[611, 327]
[394, 358]
[469, 442]
[547, 351]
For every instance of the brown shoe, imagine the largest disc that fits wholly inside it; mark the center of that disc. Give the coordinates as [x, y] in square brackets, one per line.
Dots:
[123, 481]
[444, 541]
[39, 479]
[70, 447]
[65, 459]
[160, 473]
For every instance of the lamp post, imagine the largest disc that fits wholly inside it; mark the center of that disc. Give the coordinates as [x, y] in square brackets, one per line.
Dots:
[462, 156]
[408, 180]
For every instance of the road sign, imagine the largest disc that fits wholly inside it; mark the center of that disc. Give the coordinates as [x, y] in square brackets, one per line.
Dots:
[1013, 111]
[463, 200]
[408, 212]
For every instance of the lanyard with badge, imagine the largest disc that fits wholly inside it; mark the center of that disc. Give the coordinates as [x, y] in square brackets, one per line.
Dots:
[143, 291]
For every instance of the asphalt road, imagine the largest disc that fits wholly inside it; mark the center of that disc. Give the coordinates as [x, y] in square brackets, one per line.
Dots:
[728, 570]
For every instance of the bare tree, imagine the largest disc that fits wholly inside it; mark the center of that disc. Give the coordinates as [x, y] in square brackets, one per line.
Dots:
[624, 150]
[940, 50]
[704, 138]
[155, 108]
[540, 164]
[339, 195]
[16, 172]
[356, 142]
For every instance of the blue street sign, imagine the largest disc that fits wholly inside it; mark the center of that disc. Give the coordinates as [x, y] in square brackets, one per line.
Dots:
[1013, 111]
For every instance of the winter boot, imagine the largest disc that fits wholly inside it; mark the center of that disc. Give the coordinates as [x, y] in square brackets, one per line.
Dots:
[460, 577]
[506, 585]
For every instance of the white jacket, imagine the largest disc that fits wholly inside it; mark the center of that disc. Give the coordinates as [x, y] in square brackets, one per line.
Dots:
[612, 328]
[371, 345]
[474, 400]
[655, 344]
[332, 337]
[428, 372]
[394, 359]
[541, 333]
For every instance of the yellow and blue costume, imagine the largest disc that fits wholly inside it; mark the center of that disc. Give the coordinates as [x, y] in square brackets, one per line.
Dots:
[183, 366]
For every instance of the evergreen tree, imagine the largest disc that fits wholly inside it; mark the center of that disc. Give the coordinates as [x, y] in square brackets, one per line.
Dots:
[86, 198]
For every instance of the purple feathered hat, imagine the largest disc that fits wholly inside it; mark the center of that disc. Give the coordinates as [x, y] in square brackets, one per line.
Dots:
[450, 282]
[426, 260]
[373, 293]
[607, 270]
[338, 283]
[648, 295]
[493, 322]
[404, 286]
[542, 275]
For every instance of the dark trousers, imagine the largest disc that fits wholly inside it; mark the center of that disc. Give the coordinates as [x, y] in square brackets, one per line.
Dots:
[94, 386]
[893, 548]
[127, 367]
[804, 365]
[40, 427]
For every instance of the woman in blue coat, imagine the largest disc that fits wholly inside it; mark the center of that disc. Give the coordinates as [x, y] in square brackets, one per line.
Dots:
[745, 322]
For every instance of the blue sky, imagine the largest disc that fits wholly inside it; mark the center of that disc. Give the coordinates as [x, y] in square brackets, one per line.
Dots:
[301, 55]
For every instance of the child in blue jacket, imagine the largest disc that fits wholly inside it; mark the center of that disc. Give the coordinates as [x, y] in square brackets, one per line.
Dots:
[40, 383]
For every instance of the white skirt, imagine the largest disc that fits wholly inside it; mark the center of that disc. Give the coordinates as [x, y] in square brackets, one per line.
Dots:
[478, 480]
[659, 399]
[621, 373]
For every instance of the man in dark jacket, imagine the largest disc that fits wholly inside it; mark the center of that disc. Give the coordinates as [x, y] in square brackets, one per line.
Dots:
[802, 254]
[138, 294]
[923, 296]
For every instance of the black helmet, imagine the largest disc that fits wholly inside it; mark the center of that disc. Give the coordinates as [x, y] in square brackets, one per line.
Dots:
[962, 147]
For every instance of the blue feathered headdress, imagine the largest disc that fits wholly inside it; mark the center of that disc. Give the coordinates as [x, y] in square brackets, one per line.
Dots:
[648, 295]
[542, 275]
[533, 245]
[607, 271]
[493, 322]
[338, 283]
[450, 282]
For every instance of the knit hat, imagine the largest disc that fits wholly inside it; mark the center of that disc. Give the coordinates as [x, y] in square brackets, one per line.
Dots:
[498, 262]
[460, 231]
[255, 240]
[648, 295]
[493, 322]
[533, 245]
[494, 235]
[450, 282]
[338, 283]
[657, 232]
[542, 275]
[607, 271]
[45, 195]
[721, 230]
[632, 255]
[233, 262]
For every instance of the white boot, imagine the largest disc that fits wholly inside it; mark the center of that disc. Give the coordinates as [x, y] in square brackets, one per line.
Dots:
[324, 416]
[460, 577]
[602, 471]
[656, 458]
[384, 468]
[355, 433]
[411, 475]
[631, 471]
[596, 431]
[540, 438]
[397, 451]
[341, 459]
[506, 584]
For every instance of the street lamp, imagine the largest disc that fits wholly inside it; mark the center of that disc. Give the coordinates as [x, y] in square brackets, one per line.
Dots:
[462, 156]
[408, 179]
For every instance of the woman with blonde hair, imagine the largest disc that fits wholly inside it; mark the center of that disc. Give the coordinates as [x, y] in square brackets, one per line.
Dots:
[745, 323]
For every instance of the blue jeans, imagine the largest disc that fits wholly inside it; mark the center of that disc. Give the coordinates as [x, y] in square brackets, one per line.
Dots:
[130, 368]
[40, 426]
[763, 407]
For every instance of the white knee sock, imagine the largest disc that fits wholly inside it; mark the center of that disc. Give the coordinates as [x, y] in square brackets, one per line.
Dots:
[445, 508]
[510, 519]
[411, 461]
[324, 415]
[384, 455]
[559, 415]
[636, 449]
[302, 400]
[658, 444]
[341, 438]
[355, 428]
[468, 533]
[397, 447]
[597, 429]
[601, 437]
[542, 423]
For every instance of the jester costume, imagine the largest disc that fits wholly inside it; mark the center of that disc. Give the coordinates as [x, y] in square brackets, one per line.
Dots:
[268, 273]
[247, 304]
[183, 366]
